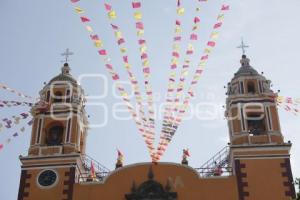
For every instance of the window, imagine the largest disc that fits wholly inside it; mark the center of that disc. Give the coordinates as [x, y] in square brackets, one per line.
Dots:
[57, 97]
[68, 96]
[48, 96]
[55, 135]
[256, 124]
[251, 88]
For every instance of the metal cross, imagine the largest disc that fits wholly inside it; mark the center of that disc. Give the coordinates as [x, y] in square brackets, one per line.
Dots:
[243, 47]
[67, 53]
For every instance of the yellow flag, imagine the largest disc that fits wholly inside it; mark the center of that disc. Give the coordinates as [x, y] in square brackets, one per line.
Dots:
[178, 29]
[185, 72]
[143, 49]
[174, 61]
[112, 14]
[187, 61]
[89, 29]
[78, 10]
[118, 34]
[138, 15]
[146, 63]
[198, 9]
[140, 32]
[107, 59]
[220, 16]
[196, 27]
[127, 66]
[214, 35]
[176, 47]
[98, 43]
[173, 74]
[207, 50]
[180, 11]
[190, 47]
[123, 50]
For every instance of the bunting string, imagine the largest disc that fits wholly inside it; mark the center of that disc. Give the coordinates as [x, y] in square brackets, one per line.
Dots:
[121, 41]
[139, 25]
[4, 103]
[168, 113]
[98, 43]
[8, 122]
[15, 135]
[5, 87]
[181, 108]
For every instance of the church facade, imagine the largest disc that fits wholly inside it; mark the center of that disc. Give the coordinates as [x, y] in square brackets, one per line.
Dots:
[254, 166]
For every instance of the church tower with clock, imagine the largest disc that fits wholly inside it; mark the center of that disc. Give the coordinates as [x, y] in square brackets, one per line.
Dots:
[58, 140]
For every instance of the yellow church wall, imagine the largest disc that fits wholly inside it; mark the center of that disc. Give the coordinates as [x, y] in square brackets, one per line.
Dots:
[184, 180]
[37, 192]
[264, 179]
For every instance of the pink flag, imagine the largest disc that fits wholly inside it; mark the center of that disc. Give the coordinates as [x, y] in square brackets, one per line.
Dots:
[74, 1]
[144, 56]
[199, 71]
[125, 59]
[178, 3]
[178, 38]
[102, 52]
[114, 27]
[121, 41]
[211, 44]
[204, 57]
[178, 23]
[108, 66]
[1, 146]
[189, 52]
[115, 77]
[217, 25]
[174, 66]
[225, 7]
[94, 37]
[84, 19]
[107, 7]
[146, 70]
[196, 20]
[185, 66]
[175, 54]
[142, 42]
[139, 25]
[136, 4]
[194, 37]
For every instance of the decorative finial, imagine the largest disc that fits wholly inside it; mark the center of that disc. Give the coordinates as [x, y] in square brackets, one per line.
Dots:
[245, 61]
[185, 155]
[66, 54]
[65, 69]
[120, 159]
[243, 47]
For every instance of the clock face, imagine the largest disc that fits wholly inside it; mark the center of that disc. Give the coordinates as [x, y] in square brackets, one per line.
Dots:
[47, 178]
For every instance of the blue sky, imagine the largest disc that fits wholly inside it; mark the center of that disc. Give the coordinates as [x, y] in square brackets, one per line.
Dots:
[34, 33]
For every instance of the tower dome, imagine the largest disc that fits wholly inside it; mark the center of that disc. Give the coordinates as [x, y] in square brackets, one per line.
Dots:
[245, 69]
[64, 75]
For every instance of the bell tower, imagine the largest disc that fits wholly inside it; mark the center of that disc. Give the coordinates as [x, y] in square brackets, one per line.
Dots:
[58, 140]
[258, 153]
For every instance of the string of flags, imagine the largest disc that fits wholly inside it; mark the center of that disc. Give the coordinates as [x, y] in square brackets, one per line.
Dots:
[168, 111]
[16, 134]
[5, 87]
[177, 101]
[98, 42]
[121, 41]
[180, 108]
[289, 104]
[4, 103]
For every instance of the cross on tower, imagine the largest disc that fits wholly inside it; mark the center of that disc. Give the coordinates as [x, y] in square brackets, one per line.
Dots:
[243, 47]
[67, 53]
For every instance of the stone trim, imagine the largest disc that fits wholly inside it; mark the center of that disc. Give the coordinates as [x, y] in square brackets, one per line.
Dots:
[23, 184]
[69, 184]
[240, 183]
[287, 173]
